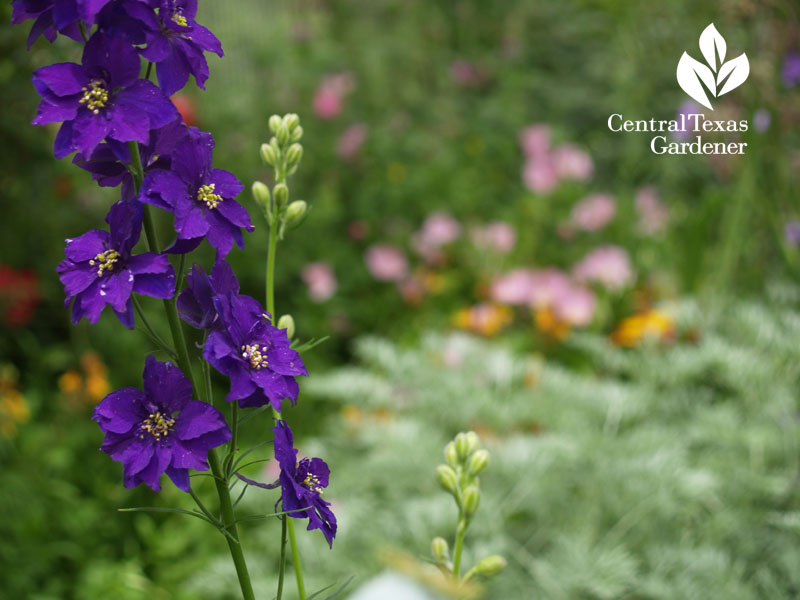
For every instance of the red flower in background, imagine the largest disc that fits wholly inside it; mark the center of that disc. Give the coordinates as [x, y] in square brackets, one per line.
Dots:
[185, 106]
[19, 296]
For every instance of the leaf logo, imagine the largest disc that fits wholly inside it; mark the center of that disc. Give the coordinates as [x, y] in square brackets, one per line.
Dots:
[695, 78]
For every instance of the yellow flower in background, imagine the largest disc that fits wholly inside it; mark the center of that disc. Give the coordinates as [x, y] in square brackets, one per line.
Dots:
[486, 319]
[651, 324]
[88, 387]
[548, 323]
[13, 407]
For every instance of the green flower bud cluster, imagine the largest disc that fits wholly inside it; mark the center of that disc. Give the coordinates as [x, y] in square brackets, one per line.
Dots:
[465, 460]
[283, 153]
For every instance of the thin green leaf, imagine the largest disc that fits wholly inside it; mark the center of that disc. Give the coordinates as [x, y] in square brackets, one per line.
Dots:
[312, 343]
[334, 594]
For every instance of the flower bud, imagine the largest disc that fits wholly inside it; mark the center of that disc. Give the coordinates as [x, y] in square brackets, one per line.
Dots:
[291, 121]
[491, 565]
[473, 440]
[295, 212]
[477, 462]
[297, 134]
[268, 155]
[440, 550]
[275, 123]
[287, 322]
[283, 135]
[281, 194]
[471, 500]
[464, 446]
[447, 478]
[294, 154]
[451, 455]
[261, 195]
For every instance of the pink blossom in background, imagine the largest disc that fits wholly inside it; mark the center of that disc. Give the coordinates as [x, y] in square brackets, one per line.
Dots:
[465, 73]
[514, 288]
[652, 213]
[497, 236]
[386, 262]
[606, 265]
[572, 163]
[548, 286]
[411, 290]
[351, 140]
[329, 97]
[594, 212]
[575, 306]
[320, 280]
[357, 230]
[439, 229]
[687, 108]
[535, 140]
[539, 175]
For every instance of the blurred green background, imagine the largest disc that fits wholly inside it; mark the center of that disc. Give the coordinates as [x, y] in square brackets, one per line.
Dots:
[644, 428]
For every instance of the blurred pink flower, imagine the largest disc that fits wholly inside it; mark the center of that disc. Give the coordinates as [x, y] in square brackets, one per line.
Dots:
[320, 280]
[327, 102]
[357, 230]
[607, 265]
[653, 214]
[572, 163]
[535, 141]
[351, 140]
[411, 290]
[575, 306]
[515, 287]
[548, 286]
[439, 229]
[594, 212]
[465, 73]
[386, 262]
[539, 175]
[497, 236]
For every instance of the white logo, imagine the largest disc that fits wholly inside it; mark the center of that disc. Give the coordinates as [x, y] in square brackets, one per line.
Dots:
[729, 76]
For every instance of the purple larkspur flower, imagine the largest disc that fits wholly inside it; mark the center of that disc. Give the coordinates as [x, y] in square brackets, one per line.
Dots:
[108, 163]
[791, 69]
[200, 197]
[102, 97]
[55, 16]
[176, 43]
[100, 271]
[302, 484]
[159, 429]
[255, 355]
[196, 301]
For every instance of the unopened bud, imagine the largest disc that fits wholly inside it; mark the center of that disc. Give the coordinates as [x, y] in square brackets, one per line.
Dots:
[287, 322]
[282, 134]
[447, 478]
[463, 446]
[451, 455]
[295, 212]
[294, 154]
[281, 194]
[491, 565]
[440, 550]
[297, 134]
[268, 155]
[291, 121]
[473, 440]
[477, 462]
[261, 195]
[471, 500]
[275, 123]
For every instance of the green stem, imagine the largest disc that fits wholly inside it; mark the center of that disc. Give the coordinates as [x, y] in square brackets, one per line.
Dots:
[226, 464]
[283, 557]
[273, 245]
[226, 507]
[301, 587]
[459, 545]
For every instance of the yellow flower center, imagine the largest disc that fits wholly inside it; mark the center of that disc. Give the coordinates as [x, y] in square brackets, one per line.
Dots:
[178, 17]
[157, 425]
[206, 194]
[257, 356]
[105, 261]
[312, 483]
[95, 96]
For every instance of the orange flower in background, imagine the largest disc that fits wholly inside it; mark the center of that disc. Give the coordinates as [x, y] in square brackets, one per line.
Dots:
[86, 387]
[486, 319]
[13, 408]
[19, 296]
[548, 323]
[651, 324]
